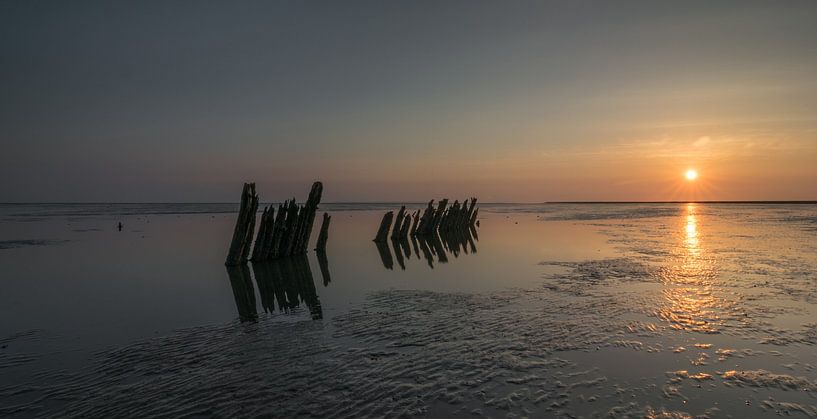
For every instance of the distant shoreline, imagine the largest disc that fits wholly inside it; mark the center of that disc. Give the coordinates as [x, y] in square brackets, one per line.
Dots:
[425, 202]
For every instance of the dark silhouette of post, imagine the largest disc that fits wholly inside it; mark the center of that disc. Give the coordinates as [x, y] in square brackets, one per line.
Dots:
[383, 231]
[243, 292]
[323, 235]
[323, 264]
[385, 255]
[287, 282]
[244, 225]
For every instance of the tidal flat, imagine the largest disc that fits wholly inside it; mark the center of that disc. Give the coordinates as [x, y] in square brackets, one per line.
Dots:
[547, 310]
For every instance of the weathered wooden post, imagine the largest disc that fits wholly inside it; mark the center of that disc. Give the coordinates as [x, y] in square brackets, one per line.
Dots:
[290, 229]
[383, 231]
[470, 213]
[398, 222]
[435, 223]
[244, 225]
[310, 207]
[245, 249]
[323, 235]
[277, 231]
[413, 231]
[259, 239]
[404, 228]
[265, 237]
[425, 220]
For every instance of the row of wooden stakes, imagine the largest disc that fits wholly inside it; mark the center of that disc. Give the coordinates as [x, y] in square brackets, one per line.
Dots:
[442, 218]
[279, 235]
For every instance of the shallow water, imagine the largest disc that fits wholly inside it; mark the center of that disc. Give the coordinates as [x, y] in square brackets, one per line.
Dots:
[552, 309]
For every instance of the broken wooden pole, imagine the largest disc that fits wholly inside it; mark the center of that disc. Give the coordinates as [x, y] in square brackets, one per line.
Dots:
[438, 215]
[268, 234]
[310, 207]
[416, 217]
[263, 229]
[404, 228]
[290, 229]
[277, 231]
[323, 235]
[474, 218]
[470, 212]
[448, 221]
[425, 220]
[398, 222]
[383, 231]
[245, 223]
[245, 249]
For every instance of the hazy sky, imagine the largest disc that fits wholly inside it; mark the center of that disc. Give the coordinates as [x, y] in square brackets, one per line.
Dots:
[407, 101]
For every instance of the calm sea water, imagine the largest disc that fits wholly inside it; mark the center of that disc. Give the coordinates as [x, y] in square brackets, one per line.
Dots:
[548, 310]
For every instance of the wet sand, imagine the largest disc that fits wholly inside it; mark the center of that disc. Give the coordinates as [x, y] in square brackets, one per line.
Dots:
[549, 310]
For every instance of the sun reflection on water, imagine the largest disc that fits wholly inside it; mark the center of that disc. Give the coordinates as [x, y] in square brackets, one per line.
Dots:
[691, 242]
[691, 303]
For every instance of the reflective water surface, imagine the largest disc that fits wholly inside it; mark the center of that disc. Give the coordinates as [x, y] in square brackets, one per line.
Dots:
[553, 309]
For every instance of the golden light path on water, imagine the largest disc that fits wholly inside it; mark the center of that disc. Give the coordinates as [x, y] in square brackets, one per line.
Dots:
[691, 304]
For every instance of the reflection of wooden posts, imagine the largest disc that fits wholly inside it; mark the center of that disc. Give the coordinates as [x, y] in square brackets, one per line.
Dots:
[398, 253]
[471, 235]
[266, 289]
[385, 254]
[323, 264]
[243, 292]
[244, 225]
[404, 244]
[323, 235]
[383, 231]
[437, 247]
[306, 285]
[426, 252]
[288, 282]
[415, 246]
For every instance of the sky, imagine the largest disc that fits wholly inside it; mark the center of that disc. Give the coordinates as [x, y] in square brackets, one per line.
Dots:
[509, 101]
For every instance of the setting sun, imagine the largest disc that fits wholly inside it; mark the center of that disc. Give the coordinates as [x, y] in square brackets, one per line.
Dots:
[691, 174]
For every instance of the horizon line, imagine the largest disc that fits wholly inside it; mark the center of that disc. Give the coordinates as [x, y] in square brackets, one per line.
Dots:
[426, 202]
